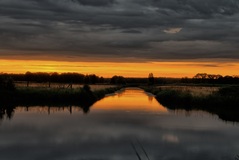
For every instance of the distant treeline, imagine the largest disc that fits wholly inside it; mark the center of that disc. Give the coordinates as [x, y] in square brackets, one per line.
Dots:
[78, 78]
[6, 80]
[41, 77]
[211, 79]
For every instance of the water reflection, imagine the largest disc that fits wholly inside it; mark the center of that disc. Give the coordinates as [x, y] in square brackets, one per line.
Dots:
[112, 131]
[124, 100]
[6, 112]
[130, 99]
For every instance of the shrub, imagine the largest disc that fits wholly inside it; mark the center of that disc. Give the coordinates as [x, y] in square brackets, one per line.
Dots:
[7, 83]
[229, 91]
[86, 88]
[175, 97]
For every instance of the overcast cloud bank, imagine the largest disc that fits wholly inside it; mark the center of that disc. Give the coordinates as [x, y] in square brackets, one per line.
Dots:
[146, 29]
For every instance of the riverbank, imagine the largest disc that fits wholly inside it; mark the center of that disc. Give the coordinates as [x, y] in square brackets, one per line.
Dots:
[84, 96]
[223, 102]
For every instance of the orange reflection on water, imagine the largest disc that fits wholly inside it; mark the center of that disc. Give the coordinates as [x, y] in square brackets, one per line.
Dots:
[130, 99]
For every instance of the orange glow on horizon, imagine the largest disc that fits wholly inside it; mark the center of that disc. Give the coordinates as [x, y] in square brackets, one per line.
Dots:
[129, 69]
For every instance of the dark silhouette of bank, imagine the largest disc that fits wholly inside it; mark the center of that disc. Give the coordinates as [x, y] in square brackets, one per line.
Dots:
[82, 97]
[118, 80]
[6, 82]
[224, 102]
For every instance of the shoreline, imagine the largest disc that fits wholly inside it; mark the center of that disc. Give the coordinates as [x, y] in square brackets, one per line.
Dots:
[223, 102]
[82, 97]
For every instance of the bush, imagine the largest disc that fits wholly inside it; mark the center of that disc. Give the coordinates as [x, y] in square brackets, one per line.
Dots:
[229, 91]
[177, 98]
[86, 88]
[7, 83]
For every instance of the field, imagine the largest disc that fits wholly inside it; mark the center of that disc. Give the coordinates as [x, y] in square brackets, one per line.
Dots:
[94, 87]
[40, 94]
[194, 90]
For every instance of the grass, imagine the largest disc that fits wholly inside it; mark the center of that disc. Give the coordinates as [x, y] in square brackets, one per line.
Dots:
[194, 90]
[224, 101]
[94, 87]
[53, 96]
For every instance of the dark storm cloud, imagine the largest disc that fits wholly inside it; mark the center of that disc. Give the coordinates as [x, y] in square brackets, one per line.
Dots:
[131, 31]
[95, 2]
[152, 29]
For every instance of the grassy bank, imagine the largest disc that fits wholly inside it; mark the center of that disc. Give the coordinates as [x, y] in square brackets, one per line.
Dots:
[224, 102]
[83, 97]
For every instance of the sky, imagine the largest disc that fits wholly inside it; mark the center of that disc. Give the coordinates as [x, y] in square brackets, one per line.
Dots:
[174, 38]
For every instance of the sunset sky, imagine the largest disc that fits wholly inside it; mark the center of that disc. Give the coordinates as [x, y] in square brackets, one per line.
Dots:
[171, 38]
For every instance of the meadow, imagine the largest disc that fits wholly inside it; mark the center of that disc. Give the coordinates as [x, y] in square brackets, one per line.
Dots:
[34, 85]
[37, 95]
[194, 90]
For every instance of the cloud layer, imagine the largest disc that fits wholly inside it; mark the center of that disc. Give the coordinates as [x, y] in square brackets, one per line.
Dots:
[146, 29]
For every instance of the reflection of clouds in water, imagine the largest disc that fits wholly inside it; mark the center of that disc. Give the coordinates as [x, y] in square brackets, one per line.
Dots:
[170, 138]
[108, 135]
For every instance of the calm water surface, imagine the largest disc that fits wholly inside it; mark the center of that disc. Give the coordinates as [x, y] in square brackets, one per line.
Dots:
[128, 125]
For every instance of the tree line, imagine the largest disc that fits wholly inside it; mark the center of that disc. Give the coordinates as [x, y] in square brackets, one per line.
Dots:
[7, 80]
[74, 78]
[211, 79]
[43, 77]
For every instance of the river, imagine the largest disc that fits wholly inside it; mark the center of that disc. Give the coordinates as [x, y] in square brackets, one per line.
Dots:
[127, 125]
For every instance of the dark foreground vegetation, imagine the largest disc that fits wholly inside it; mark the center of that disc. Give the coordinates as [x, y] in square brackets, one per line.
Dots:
[82, 97]
[27, 97]
[224, 102]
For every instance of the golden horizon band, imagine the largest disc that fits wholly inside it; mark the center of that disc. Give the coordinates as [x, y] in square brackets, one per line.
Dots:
[128, 69]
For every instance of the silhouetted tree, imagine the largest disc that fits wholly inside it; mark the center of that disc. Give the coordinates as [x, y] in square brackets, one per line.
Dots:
[28, 77]
[201, 76]
[151, 79]
[87, 79]
[101, 80]
[54, 77]
[41, 77]
[117, 80]
[93, 78]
